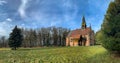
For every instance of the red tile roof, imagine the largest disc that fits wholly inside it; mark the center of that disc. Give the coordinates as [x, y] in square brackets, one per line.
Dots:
[76, 33]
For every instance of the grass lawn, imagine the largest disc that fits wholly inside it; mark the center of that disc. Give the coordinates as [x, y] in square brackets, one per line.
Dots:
[91, 54]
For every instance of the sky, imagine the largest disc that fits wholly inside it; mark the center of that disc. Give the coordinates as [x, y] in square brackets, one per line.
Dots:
[45, 13]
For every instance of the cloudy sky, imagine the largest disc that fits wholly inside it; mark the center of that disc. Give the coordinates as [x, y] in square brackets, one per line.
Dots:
[44, 13]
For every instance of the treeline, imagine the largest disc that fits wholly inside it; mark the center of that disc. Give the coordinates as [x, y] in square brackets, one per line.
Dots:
[3, 42]
[50, 36]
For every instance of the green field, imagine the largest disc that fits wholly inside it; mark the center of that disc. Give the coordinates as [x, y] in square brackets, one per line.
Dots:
[91, 54]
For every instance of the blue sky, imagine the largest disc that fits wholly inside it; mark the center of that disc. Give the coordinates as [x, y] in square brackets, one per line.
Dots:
[44, 13]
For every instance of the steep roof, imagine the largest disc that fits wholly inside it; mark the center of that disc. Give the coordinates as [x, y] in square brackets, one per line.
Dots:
[76, 33]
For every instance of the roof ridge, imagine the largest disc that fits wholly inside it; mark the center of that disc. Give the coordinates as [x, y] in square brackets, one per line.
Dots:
[77, 32]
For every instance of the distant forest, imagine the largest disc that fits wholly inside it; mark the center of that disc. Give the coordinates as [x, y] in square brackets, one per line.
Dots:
[50, 36]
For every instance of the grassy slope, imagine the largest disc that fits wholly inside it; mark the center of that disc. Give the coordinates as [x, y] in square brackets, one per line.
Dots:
[92, 54]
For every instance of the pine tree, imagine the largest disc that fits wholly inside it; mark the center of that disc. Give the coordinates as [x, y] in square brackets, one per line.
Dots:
[16, 38]
[111, 27]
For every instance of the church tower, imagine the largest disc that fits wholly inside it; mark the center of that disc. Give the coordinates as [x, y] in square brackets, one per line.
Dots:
[83, 23]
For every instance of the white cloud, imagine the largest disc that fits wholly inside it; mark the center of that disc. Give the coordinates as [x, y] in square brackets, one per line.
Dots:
[5, 27]
[2, 2]
[9, 19]
[22, 8]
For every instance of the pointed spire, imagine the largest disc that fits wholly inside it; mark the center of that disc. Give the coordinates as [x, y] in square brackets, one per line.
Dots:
[83, 23]
[83, 19]
[15, 26]
[90, 26]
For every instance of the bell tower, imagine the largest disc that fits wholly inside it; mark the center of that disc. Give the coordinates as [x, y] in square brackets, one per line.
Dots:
[83, 23]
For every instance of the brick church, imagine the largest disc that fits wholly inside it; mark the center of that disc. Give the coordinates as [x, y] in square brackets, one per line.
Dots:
[81, 37]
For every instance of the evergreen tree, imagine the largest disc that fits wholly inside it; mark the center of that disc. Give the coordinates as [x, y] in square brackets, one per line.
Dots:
[16, 38]
[111, 27]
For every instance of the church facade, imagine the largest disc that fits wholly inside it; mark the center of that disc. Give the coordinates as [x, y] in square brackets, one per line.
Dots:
[81, 37]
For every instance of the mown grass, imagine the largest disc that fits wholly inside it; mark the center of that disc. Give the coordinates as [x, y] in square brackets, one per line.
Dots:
[91, 54]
